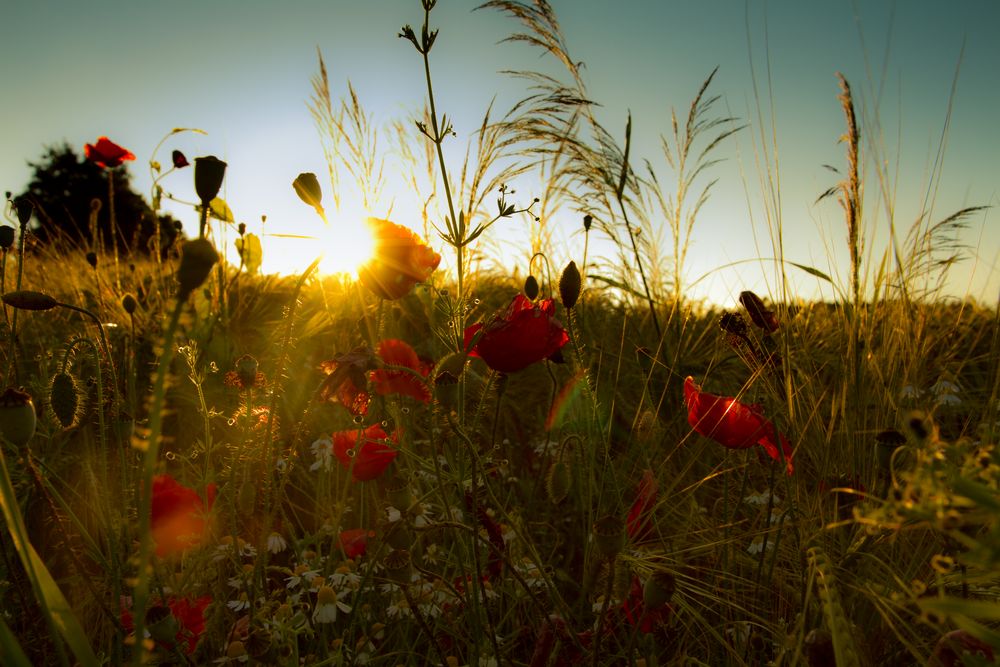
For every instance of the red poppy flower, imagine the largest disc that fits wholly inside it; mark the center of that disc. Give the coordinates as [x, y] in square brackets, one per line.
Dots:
[733, 424]
[390, 381]
[189, 614]
[346, 381]
[522, 335]
[399, 260]
[106, 153]
[354, 542]
[365, 453]
[178, 520]
[639, 522]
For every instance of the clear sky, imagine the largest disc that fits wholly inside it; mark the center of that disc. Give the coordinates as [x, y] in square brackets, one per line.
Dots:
[240, 70]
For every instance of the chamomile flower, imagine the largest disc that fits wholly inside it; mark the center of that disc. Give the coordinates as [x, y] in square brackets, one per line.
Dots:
[322, 450]
[240, 603]
[276, 543]
[328, 604]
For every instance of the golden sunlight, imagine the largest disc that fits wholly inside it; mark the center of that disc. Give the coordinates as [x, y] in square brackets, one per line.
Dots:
[343, 245]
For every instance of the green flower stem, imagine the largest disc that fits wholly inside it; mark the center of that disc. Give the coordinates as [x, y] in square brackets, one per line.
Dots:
[140, 598]
[608, 589]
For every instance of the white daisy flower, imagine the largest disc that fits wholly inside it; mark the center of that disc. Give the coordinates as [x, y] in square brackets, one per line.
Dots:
[322, 449]
[761, 498]
[276, 543]
[240, 603]
[328, 605]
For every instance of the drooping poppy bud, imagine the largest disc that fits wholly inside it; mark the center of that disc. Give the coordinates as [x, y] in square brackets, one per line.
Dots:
[208, 174]
[658, 589]
[531, 288]
[179, 160]
[759, 314]
[64, 398]
[307, 188]
[92, 259]
[570, 283]
[197, 259]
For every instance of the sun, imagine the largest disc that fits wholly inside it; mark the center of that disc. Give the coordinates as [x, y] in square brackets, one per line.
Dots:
[342, 246]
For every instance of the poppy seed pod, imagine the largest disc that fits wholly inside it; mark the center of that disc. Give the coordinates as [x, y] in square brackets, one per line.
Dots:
[587, 222]
[17, 416]
[6, 237]
[570, 283]
[763, 318]
[658, 590]
[208, 174]
[24, 209]
[197, 259]
[398, 566]
[129, 304]
[29, 300]
[531, 287]
[307, 188]
[609, 536]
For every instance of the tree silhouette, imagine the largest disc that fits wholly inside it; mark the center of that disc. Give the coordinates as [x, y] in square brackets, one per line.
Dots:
[70, 195]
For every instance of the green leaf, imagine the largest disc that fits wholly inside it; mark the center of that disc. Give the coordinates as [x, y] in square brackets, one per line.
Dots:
[251, 252]
[11, 653]
[54, 605]
[977, 493]
[811, 271]
[219, 209]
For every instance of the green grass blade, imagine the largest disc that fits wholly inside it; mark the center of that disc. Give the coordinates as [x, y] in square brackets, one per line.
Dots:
[11, 653]
[54, 604]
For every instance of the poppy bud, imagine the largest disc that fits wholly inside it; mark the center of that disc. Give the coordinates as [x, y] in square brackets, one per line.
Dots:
[587, 222]
[92, 259]
[398, 494]
[6, 237]
[558, 481]
[17, 416]
[179, 160]
[531, 288]
[129, 304]
[246, 370]
[242, 228]
[569, 285]
[762, 317]
[397, 534]
[658, 590]
[64, 398]
[307, 188]
[29, 300]
[197, 259]
[208, 174]
[609, 536]
[95, 206]
[24, 209]
[398, 566]
[161, 624]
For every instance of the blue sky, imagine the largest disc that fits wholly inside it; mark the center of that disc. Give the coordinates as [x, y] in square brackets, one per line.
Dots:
[240, 70]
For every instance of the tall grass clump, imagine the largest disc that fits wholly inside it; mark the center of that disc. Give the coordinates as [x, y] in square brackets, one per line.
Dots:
[567, 462]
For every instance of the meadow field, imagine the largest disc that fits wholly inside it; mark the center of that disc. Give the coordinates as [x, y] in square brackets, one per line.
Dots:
[433, 460]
